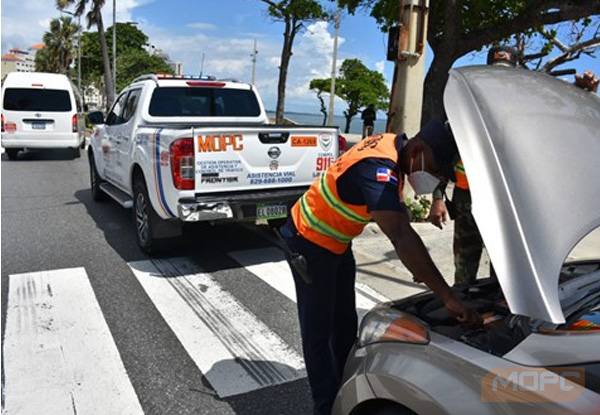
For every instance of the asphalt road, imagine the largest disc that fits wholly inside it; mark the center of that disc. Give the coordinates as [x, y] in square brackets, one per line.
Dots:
[51, 223]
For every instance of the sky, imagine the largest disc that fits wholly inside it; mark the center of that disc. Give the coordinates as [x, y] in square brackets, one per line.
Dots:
[224, 31]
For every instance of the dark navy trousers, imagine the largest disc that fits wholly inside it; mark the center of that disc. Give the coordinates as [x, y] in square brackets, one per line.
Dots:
[327, 314]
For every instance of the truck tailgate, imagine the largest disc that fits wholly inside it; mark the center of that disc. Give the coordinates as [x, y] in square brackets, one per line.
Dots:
[263, 157]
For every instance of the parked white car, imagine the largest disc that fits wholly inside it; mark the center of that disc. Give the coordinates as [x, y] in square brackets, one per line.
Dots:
[41, 111]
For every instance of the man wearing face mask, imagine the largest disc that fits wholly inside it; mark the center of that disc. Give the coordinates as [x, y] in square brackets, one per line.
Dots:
[364, 184]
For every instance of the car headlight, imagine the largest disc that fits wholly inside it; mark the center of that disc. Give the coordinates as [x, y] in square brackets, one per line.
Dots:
[385, 324]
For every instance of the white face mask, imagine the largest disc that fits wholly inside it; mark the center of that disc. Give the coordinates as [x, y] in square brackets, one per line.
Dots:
[421, 181]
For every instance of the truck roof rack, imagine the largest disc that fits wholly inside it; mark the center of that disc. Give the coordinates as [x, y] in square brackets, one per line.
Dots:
[161, 76]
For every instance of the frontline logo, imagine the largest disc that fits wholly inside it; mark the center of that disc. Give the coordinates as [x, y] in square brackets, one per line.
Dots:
[225, 142]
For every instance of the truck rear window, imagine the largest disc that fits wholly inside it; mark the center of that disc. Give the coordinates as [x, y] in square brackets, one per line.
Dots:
[27, 99]
[203, 102]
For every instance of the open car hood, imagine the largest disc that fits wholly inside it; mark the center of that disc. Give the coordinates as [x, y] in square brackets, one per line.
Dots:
[530, 145]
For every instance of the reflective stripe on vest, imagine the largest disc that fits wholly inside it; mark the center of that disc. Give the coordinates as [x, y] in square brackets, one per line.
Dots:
[321, 217]
[320, 226]
[338, 205]
[461, 176]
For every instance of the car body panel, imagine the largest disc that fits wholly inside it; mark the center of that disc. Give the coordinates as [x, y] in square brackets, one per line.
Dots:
[441, 378]
[557, 349]
[534, 144]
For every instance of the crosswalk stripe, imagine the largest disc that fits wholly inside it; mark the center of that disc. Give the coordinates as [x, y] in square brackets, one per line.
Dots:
[59, 355]
[270, 266]
[236, 352]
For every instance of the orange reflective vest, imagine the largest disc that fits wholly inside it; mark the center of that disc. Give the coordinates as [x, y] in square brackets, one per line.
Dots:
[321, 216]
[461, 176]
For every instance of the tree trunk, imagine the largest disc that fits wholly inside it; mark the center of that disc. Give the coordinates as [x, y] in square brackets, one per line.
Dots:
[108, 81]
[348, 121]
[323, 107]
[286, 54]
[433, 92]
[445, 53]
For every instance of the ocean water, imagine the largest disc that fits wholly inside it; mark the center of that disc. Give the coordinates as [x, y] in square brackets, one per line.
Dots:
[340, 121]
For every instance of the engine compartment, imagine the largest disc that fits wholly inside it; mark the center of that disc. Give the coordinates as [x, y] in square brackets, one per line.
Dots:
[502, 330]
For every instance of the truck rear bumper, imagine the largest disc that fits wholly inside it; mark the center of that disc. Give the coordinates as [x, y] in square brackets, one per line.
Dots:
[235, 207]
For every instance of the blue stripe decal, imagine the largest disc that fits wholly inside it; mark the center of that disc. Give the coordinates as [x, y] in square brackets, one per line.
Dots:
[158, 174]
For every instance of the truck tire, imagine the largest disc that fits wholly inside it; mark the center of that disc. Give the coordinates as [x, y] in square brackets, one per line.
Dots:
[146, 219]
[95, 181]
[12, 153]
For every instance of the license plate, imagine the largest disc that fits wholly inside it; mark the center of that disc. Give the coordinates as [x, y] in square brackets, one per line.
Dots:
[38, 125]
[271, 210]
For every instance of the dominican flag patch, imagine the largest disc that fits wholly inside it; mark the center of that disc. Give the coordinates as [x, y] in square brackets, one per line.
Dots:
[386, 175]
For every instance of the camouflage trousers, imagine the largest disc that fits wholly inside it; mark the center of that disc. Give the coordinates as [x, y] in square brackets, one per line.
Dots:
[468, 244]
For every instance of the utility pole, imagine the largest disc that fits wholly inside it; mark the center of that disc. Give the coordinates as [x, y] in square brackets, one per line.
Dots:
[333, 65]
[253, 54]
[409, 73]
[114, 50]
[202, 65]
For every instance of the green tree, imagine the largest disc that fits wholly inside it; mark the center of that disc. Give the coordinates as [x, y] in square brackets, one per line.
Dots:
[321, 86]
[359, 87]
[57, 55]
[458, 27]
[132, 57]
[94, 18]
[294, 14]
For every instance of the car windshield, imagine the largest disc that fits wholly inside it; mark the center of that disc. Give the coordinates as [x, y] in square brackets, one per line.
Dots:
[203, 102]
[28, 99]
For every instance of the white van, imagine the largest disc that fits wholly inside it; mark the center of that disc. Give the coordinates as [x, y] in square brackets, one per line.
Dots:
[41, 110]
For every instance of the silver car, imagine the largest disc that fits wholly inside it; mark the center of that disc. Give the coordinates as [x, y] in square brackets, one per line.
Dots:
[530, 144]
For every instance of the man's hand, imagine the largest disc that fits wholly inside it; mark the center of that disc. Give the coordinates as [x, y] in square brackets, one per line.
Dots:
[463, 313]
[438, 215]
[587, 81]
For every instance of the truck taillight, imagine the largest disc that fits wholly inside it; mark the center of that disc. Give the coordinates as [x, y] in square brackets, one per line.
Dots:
[74, 123]
[342, 144]
[182, 163]
[2, 122]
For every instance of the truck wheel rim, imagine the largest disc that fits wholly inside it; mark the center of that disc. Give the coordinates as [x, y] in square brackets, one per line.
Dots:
[141, 218]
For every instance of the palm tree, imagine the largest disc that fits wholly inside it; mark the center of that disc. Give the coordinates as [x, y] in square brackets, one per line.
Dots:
[60, 46]
[94, 18]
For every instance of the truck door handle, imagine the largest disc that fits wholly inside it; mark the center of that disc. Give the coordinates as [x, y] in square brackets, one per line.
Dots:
[273, 137]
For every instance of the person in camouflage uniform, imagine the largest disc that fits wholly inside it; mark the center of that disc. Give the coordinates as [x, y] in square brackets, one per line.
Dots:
[467, 245]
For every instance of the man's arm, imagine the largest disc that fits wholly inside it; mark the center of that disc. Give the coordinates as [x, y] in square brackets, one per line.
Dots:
[412, 252]
[438, 214]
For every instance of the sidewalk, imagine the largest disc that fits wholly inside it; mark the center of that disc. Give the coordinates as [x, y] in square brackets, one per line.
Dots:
[379, 267]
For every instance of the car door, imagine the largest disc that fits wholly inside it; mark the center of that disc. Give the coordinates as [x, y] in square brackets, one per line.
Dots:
[110, 159]
[123, 140]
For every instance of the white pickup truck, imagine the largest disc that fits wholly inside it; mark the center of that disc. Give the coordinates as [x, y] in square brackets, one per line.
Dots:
[192, 149]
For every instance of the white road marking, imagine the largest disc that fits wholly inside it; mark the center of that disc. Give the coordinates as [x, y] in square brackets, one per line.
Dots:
[59, 355]
[236, 351]
[270, 266]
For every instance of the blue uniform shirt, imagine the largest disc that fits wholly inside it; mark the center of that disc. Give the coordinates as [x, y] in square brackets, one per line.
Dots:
[359, 185]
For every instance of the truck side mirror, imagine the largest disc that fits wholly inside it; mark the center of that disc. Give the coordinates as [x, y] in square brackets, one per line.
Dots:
[96, 117]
